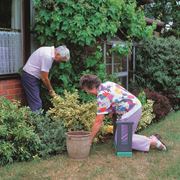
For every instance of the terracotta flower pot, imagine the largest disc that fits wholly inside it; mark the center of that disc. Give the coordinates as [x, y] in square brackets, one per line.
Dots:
[78, 144]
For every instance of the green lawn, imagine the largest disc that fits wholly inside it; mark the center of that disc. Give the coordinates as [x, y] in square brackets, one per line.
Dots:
[103, 164]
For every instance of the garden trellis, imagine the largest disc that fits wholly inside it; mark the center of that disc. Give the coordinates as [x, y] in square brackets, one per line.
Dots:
[117, 64]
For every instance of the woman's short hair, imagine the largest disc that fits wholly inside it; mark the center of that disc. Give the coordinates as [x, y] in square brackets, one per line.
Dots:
[89, 81]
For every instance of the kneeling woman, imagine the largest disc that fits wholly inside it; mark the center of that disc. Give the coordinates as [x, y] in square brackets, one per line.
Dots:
[114, 99]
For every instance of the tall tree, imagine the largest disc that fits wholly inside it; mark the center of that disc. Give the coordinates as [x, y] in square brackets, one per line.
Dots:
[168, 12]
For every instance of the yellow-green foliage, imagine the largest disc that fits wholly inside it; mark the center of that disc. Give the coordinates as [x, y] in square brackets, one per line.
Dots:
[74, 114]
[80, 116]
[147, 115]
[107, 129]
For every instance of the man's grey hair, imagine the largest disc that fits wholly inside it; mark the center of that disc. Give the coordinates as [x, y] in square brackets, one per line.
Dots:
[64, 52]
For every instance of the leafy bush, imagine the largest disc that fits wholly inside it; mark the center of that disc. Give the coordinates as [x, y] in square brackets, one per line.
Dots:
[18, 141]
[25, 135]
[142, 97]
[166, 11]
[73, 114]
[147, 111]
[147, 115]
[52, 135]
[161, 105]
[75, 22]
[155, 107]
[83, 23]
[158, 67]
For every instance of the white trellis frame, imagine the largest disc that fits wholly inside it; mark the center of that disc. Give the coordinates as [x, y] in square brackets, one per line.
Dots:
[115, 64]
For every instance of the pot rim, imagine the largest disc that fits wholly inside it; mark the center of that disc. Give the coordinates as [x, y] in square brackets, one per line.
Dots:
[78, 133]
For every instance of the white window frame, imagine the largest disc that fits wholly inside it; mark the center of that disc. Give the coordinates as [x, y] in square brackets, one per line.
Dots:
[11, 42]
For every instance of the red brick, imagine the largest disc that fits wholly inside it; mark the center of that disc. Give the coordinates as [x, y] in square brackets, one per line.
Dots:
[18, 86]
[14, 91]
[13, 82]
[3, 92]
[9, 97]
[9, 86]
[21, 92]
[1, 87]
[2, 84]
[17, 83]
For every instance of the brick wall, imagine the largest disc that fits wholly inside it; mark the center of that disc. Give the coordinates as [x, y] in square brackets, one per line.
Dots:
[12, 89]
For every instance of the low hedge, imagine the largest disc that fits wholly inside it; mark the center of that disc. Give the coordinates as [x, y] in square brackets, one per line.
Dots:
[25, 135]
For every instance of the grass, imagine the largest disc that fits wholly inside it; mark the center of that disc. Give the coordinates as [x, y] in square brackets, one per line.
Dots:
[103, 164]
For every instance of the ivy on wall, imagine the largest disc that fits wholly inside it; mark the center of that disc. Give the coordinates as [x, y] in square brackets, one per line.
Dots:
[83, 26]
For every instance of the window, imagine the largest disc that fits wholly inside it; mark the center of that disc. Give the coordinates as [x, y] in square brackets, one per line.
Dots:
[10, 36]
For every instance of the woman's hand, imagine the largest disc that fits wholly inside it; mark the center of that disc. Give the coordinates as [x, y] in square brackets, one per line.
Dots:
[110, 115]
[97, 125]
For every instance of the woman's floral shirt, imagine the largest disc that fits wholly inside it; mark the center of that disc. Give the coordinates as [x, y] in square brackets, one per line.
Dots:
[114, 98]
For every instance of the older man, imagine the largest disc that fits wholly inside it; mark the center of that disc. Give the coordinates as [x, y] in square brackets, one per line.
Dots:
[37, 68]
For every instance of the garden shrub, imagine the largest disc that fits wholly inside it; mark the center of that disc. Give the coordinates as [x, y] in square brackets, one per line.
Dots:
[147, 115]
[147, 111]
[165, 11]
[161, 105]
[25, 135]
[51, 134]
[158, 67]
[71, 112]
[18, 141]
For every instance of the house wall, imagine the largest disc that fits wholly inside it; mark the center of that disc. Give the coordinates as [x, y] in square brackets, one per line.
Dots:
[12, 89]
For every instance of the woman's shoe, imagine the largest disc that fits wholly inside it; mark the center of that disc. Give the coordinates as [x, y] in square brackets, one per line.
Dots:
[158, 136]
[159, 144]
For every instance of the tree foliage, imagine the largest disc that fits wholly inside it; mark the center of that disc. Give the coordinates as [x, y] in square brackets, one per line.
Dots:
[83, 23]
[168, 12]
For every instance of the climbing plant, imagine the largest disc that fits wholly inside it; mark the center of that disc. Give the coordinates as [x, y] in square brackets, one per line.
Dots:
[84, 26]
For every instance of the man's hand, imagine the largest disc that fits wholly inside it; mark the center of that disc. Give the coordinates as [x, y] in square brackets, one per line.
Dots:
[52, 93]
[46, 82]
